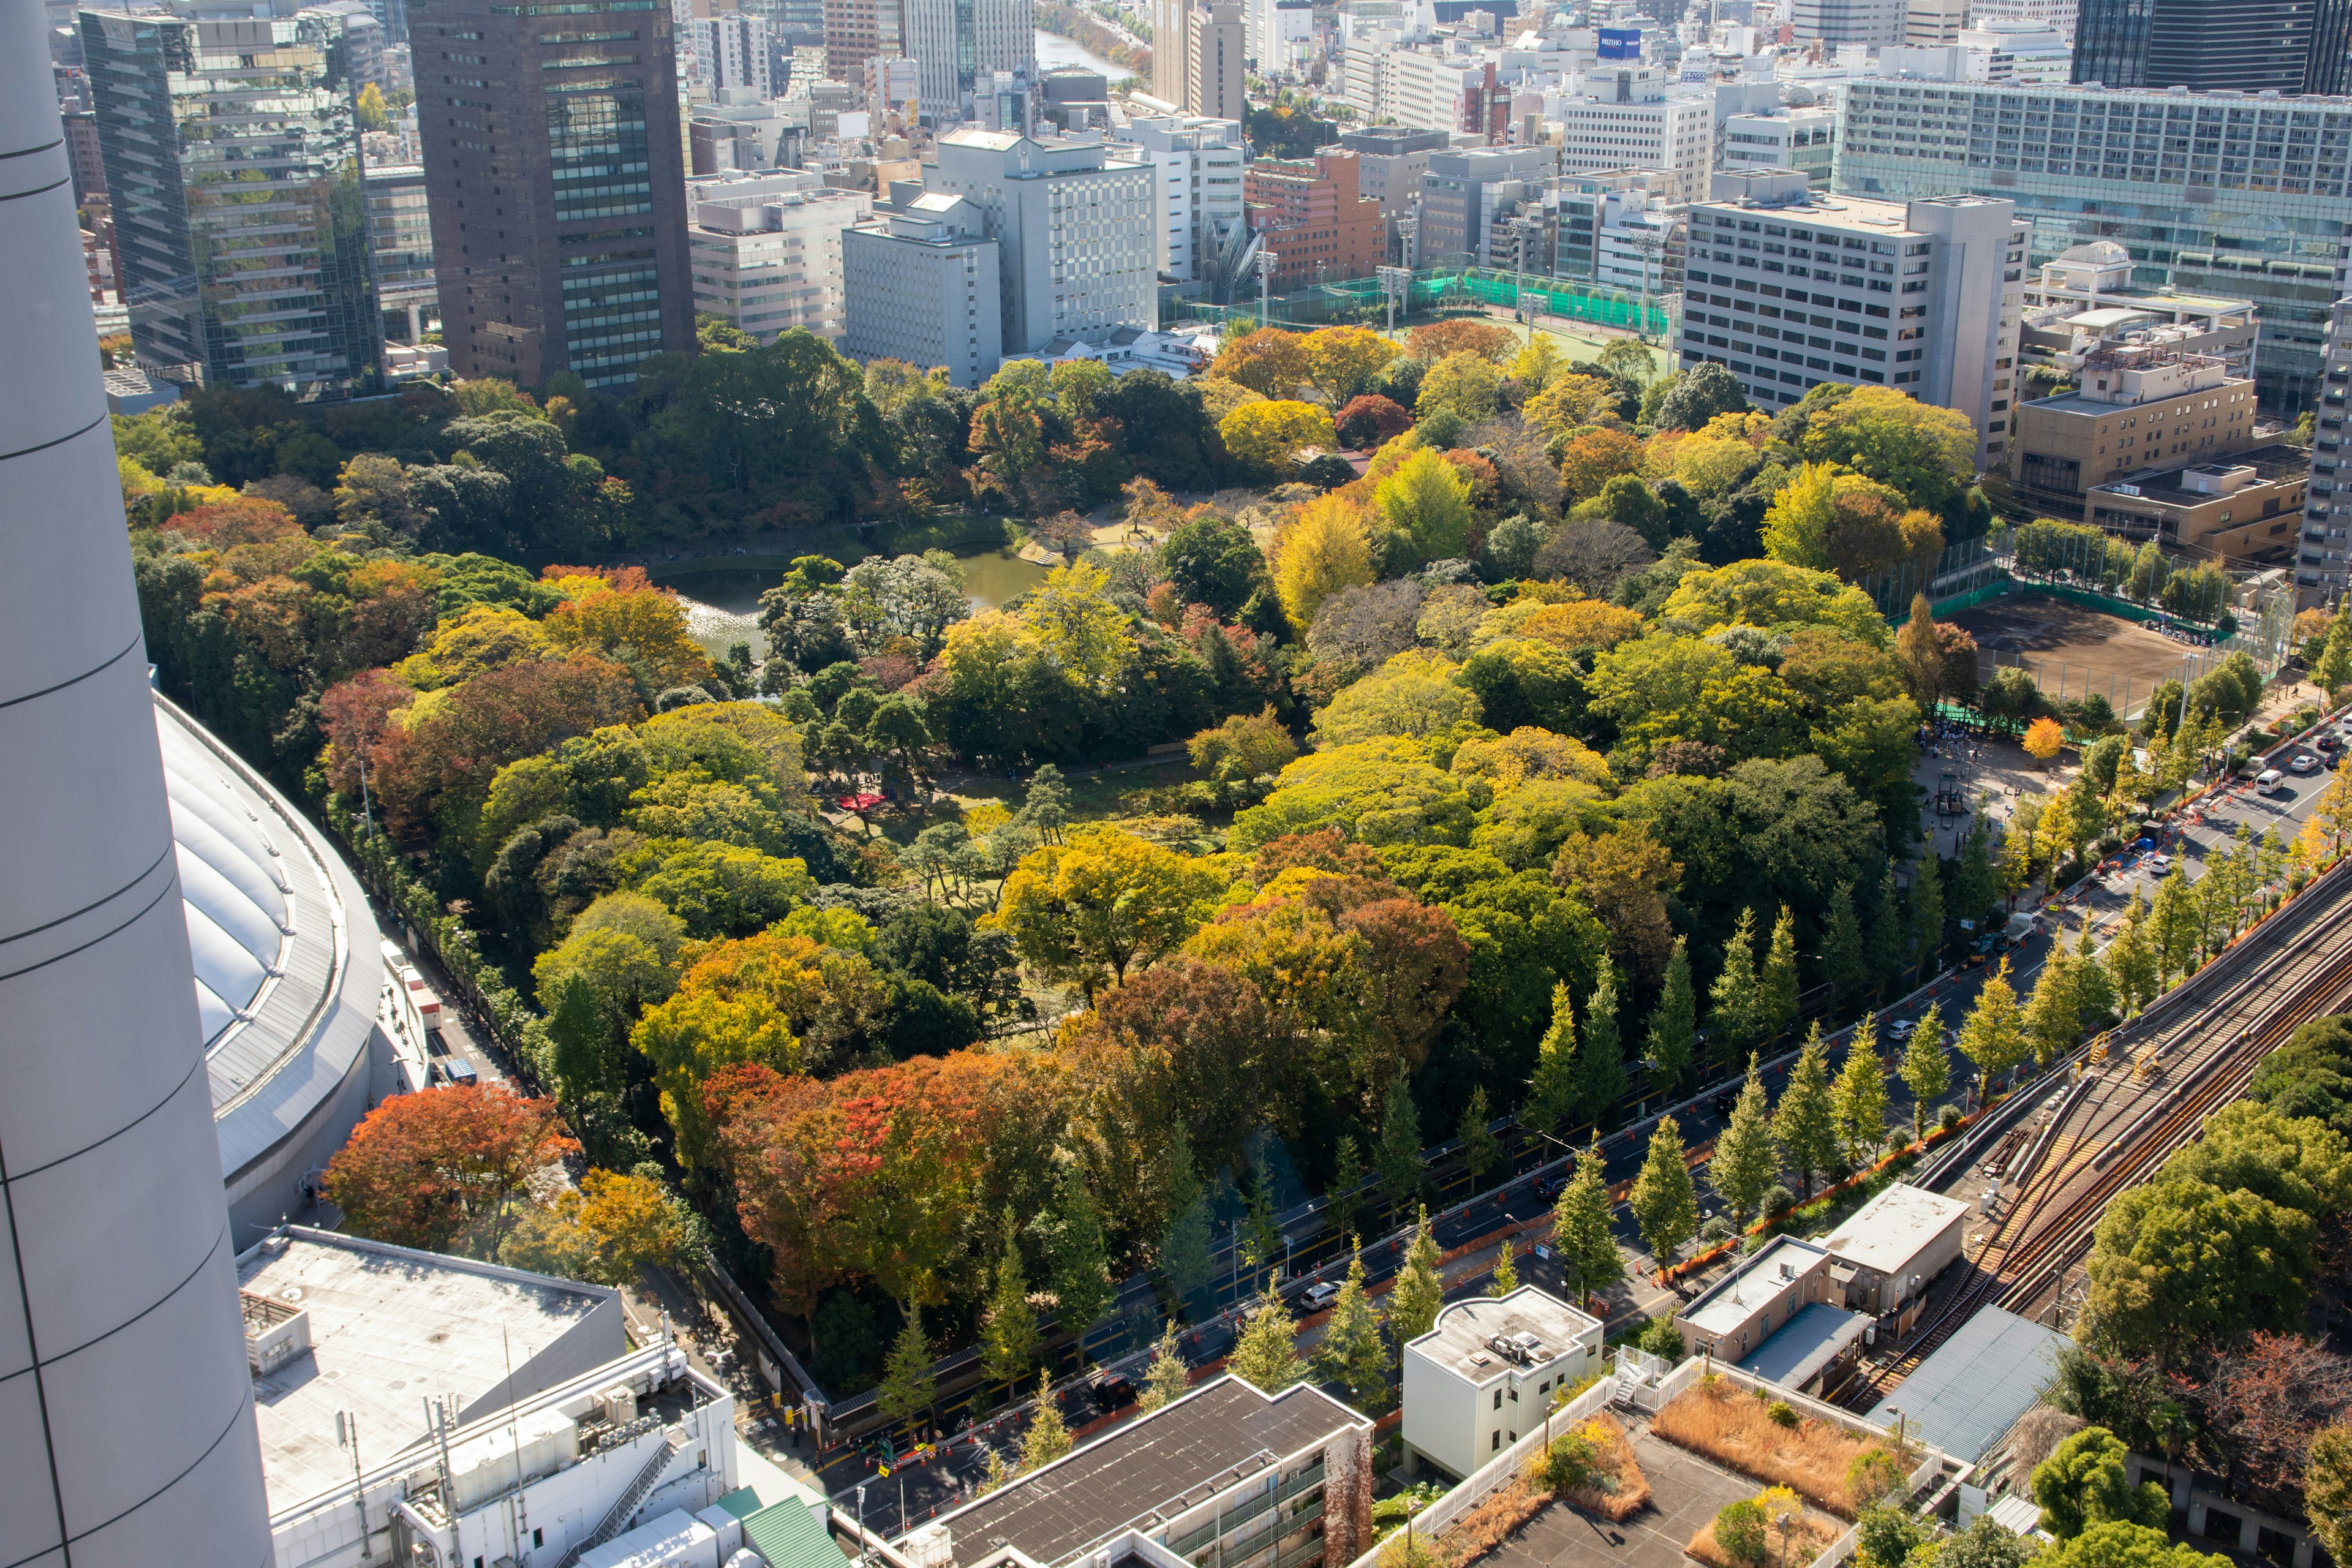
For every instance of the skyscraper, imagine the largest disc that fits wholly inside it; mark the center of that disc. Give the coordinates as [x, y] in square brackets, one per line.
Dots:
[955, 44]
[856, 31]
[121, 1294]
[197, 117]
[732, 51]
[554, 163]
[2245, 46]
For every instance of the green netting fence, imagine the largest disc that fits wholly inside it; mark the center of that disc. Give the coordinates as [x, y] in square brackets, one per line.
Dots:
[1436, 290]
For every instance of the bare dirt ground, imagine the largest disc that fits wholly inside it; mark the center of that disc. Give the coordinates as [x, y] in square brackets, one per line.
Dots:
[2072, 651]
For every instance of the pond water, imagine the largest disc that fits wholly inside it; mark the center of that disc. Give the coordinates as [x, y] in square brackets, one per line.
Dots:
[722, 605]
[1052, 49]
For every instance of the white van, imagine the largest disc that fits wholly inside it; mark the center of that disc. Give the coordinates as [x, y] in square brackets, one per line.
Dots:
[2268, 782]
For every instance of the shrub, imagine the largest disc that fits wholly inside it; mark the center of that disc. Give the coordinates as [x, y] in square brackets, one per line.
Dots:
[1777, 1199]
[1782, 1413]
[1874, 1473]
[1948, 1118]
[1739, 1531]
[1568, 1461]
[1888, 1536]
[1662, 1339]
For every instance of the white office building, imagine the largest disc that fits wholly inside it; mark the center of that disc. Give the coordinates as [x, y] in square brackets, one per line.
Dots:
[957, 44]
[2058, 16]
[2322, 566]
[764, 251]
[1486, 1373]
[1636, 120]
[1199, 165]
[922, 284]
[1801, 138]
[1863, 22]
[1073, 219]
[1280, 33]
[1790, 288]
[2030, 53]
[731, 51]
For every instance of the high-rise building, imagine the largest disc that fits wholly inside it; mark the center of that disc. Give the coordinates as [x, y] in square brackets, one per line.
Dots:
[1073, 219]
[1215, 48]
[766, 251]
[2200, 189]
[2206, 45]
[923, 285]
[400, 245]
[1311, 217]
[1168, 33]
[956, 44]
[856, 31]
[1791, 288]
[1634, 118]
[2326, 556]
[1199, 164]
[731, 51]
[1280, 33]
[1849, 21]
[1459, 195]
[232, 155]
[1928, 23]
[122, 1279]
[556, 169]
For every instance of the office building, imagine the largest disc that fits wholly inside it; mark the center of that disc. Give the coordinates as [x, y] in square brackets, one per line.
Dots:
[400, 249]
[2246, 507]
[1887, 1252]
[769, 134]
[956, 44]
[2085, 299]
[1801, 138]
[1224, 1474]
[88, 163]
[2208, 45]
[1637, 119]
[2137, 408]
[498, 1413]
[1615, 230]
[1799, 288]
[1390, 161]
[2320, 569]
[1167, 55]
[856, 31]
[765, 251]
[127, 1434]
[1309, 214]
[2199, 188]
[894, 88]
[922, 284]
[731, 51]
[1198, 165]
[1868, 22]
[1928, 23]
[2030, 53]
[1761, 1296]
[1073, 217]
[1488, 1370]
[1422, 90]
[2058, 16]
[1215, 51]
[557, 175]
[1281, 34]
[198, 116]
[1461, 192]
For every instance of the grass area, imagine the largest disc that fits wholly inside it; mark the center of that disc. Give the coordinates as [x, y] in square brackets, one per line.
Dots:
[1614, 1488]
[1807, 1537]
[1728, 1422]
[1617, 1489]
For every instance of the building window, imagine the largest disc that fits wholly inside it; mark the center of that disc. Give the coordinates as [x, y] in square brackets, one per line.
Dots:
[1498, 1399]
[1497, 1442]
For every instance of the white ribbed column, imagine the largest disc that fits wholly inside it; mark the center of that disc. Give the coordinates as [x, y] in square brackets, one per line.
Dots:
[126, 1415]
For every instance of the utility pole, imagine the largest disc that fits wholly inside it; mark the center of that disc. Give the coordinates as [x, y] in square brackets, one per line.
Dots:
[1265, 260]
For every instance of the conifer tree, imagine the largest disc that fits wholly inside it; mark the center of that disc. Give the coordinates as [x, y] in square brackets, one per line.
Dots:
[1481, 1151]
[1674, 1021]
[1993, 1037]
[907, 1386]
[1583, 1229]
[1735, 1018]
[1600, 1062]
[1350, 1352]
[2130, 961]
[1081, 1260]
[1778, 980]
[1419, 1290]
[1347, 1175]
[2095, 989]
[1665, 1206]
[1860, 1099]
[1008, 1335]
[2052, 1017]
[1844, 963]
[1185, 1246]
[1551, 1092]
[1926, 915]
[1049, 1438]
[1169, 1378]
[1805, 1122]
[1267, 1355]
[1397, 1156]
[1745, 1163]
[1506, 1272]
[1889, 943]
[1927, 1070]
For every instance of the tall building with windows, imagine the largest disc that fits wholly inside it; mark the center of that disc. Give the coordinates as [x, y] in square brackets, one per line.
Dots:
[2325, 556]
[2209, 194]
[198, 117]
[2206, 45]
[733, 52]
[1199, 187]
[556, 170]
[1790, 288]
[400, 243]
[766, 250]
[956, 44]
[856, 31]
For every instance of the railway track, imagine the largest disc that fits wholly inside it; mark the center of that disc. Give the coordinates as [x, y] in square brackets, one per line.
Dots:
[2119, 1127]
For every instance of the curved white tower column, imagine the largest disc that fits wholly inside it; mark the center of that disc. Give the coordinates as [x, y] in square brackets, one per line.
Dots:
[126, 1417]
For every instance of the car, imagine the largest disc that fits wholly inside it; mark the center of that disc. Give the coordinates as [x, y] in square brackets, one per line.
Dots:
[1901, 1028]
[1552, 1185]
[2327, 742]
[459, 1071]
[2270, 781]
[2303, 764]
[2158, 865]
[1319, 1296]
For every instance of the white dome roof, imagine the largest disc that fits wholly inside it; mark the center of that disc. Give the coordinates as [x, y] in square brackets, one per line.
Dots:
[232, 880]
[2096, 253]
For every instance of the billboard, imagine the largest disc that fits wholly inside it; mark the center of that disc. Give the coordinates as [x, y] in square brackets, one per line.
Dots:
[1621, 44]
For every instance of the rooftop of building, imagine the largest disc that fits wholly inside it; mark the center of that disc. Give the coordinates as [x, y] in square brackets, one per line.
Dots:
[1462, 1338]
[1887, 1233]
[390, 1328]
[1816, 1335]
[1685, 1493]
[1731, 1301]
[1974, 1386]
[1149, 1470]
[2179, 485]
[1793, 199]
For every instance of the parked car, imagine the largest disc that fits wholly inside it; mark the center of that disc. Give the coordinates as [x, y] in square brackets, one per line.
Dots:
[2305, 762]
[458, 1071]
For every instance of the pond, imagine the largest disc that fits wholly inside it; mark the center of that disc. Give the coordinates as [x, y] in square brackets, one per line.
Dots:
[1052, 49]
[722, 605]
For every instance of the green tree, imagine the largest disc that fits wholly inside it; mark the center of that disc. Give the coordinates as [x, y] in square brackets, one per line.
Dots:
[1081, 1260]
[2119, 1545]
[2179, 1263]
[1887, 1536]
[1049, 1438]
[2052, 1018]
[1583, 1229]
[1267, 1355]
[1805, 1122]
[1742, 1532]
[1397, 1156]
[1674, 1022]
[1185, 1246]
[1994, 1037]
[1665, 1206]
[1506, 1272]
[2086, 1482]
[1845, 957]
[2130, 961]
[906, 1387]
[1745, 1163]
[1777, 983]
[1736, 1016]
[1481, 1151]
[1428, 499]
[1859, 1102]
[1347, 1176]
[1926, 1069]
[2334, 666]
[1419, 1290]
[1008, 1333]
[1350, 1352]
[1551, 1092]
[1169, 1378]
[1888, 943]
[1926, 915]
[1600, 1061]
[2327, 1487]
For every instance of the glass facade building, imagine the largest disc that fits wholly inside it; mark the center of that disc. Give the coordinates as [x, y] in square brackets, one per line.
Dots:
[2206, 45]
[2210, 193]
[231, 154]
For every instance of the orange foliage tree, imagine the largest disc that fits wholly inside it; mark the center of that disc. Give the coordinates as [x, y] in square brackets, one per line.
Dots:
[424, 1168]
[1433, 341]
[441, 766]
[633, 625]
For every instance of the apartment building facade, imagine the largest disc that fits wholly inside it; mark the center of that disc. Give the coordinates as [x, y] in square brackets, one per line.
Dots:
[1312, 218]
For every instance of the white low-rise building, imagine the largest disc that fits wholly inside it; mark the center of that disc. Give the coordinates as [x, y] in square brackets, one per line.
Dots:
[1199, 164]
[764, 251]
[922, 286]
[1487, 1372]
